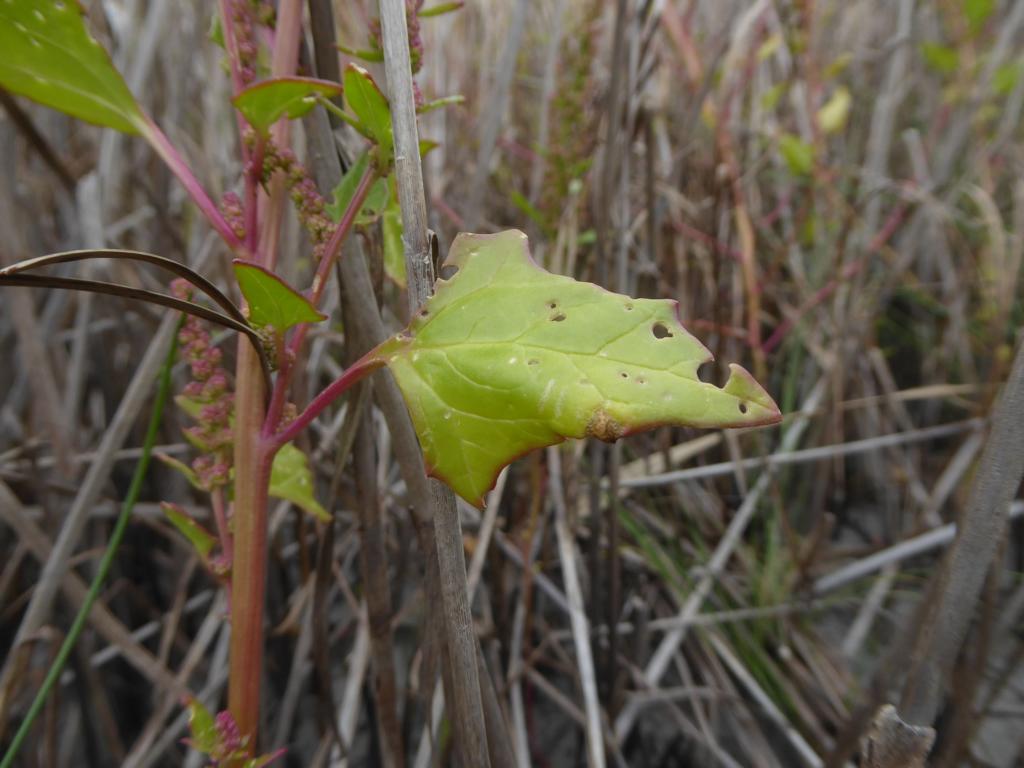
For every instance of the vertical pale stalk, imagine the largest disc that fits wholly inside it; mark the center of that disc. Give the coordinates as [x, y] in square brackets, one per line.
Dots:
[470, 729]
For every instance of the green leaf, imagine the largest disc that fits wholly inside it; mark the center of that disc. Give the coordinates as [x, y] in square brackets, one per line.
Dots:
[183, 468]
[374, 55]
[506, 357]
[370, 107]
[437, 10]
[50, 57]
[799, 155]
[1006, 77]
[292, 480]
[199, 537]
[375, 200]
[205, 737]
[266, 102]
[940, 58]
[977, 12]
[271, 300]
[444, 101]
[833, 114]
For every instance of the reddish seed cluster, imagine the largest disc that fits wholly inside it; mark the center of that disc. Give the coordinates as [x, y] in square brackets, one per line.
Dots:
[210, 388]
[234, 213]
[412, 22]
[227, 731]
[309, 203]
[243, 16]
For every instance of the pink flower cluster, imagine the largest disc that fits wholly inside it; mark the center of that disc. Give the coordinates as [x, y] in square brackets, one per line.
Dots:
[243, 16]
[210, 390]
[309, 203]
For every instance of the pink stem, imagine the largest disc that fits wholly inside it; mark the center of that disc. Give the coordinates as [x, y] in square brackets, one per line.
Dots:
[323, 270]
[163, 147]
[354, 373]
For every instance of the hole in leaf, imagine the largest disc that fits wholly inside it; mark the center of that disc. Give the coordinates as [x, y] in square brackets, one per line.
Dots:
[558, 318]
[704, 372]
[629, 307]
[623, 374]
[641, 380]
[424, 312]
[532, 362]
[552, 304]
[743, 407]
[660, 331]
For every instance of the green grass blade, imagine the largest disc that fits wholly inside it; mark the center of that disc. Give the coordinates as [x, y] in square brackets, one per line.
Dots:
[116, 537]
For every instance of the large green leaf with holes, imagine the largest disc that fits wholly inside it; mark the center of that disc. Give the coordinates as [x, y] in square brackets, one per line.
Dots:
[48, 55]
[506, 357]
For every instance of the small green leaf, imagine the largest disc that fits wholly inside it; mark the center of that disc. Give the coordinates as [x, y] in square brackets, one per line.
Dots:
[183, 468]
[375, 200]
[799, 155]
[199, 537]
[437, 10]
[770, 98]
[506, 357]
[271, 300]
[50, 57]
[978, 12]
[940, 58]
[1006, 77]
[266, 102]
[292, 480]
[370, 107]
[444, 101]
[833, 114]
[372, 55]
[205, 737]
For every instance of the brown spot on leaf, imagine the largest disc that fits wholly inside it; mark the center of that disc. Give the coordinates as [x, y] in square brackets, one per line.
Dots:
[604, 427]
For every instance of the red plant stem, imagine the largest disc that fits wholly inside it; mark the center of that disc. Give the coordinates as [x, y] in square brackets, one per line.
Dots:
[340, 233]
[253, 456]
[323, 271]
[253, 461]
[353, 374]
[177, 165]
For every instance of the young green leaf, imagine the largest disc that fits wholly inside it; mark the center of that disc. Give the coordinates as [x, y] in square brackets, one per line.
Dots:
[370, 107]
[292, 480]
[187, 471]
[199, 537]
[799, 155]
[264, 103]
[50, 57]
[205, 737]
[272, 302]
[375, 200]
[506, 357]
